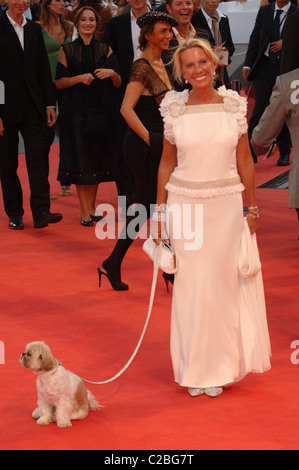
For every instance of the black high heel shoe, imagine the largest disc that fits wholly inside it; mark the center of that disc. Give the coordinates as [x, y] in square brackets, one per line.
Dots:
[116, 284]
[168, 278]
[86, 223]
[96, 218]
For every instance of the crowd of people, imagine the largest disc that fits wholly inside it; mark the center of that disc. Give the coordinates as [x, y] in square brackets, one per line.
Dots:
[117, 28]
[138, 93]
[89, 79]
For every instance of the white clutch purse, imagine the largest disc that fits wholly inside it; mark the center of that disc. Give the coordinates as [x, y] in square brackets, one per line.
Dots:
[249, 263]
[165, 257]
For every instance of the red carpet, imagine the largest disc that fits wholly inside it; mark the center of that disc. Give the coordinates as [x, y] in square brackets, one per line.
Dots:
[49, 291]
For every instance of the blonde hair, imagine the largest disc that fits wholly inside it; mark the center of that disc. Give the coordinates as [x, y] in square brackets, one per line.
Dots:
[194, 42]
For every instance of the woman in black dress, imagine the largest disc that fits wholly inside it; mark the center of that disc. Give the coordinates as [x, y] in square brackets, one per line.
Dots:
[144, 139]
[87, 70]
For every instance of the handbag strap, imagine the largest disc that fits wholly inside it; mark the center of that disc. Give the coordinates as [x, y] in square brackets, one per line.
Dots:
[150, 307]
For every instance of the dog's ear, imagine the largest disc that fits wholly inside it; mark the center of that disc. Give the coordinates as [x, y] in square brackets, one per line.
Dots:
[47, 361]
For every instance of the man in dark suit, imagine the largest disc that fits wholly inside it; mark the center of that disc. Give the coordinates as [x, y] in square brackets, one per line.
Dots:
[122, 35]
[205, 18]
[29, 107]
[262, 65]
[290, 45]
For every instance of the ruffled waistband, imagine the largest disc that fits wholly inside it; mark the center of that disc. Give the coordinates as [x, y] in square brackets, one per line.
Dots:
[208, 188]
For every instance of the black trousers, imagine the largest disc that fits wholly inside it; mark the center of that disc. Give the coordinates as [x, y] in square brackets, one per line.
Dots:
[35, 133]
[263, 84]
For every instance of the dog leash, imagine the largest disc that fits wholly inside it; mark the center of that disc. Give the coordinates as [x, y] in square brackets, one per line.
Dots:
[152, 295]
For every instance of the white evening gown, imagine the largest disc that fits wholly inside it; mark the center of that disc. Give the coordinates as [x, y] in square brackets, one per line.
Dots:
[217, 337]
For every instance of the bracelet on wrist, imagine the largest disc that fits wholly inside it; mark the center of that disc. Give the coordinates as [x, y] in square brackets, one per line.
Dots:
[253, 208]
[159, 217]
[161, 208]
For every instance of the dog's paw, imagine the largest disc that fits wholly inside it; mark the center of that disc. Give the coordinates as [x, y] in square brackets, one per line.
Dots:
[64, 424]
[43, 420]
[36, 414]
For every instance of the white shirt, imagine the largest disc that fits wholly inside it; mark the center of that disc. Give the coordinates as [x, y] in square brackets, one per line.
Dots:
[135, 30]
[218, 15]
[18, 29]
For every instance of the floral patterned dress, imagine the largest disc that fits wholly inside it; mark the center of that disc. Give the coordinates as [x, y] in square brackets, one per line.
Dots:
[210, 320]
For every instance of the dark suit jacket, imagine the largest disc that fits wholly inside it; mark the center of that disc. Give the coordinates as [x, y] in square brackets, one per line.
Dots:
[200, 21]
[290, 44]
[25, 71]
[260, 38]
[119, 37]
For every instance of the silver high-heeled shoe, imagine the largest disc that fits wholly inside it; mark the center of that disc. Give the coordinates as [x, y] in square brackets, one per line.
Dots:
[65, 191]
[195, 392]
[213, 391]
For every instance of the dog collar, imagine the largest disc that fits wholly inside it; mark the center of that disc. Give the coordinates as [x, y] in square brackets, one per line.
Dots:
[50, 372]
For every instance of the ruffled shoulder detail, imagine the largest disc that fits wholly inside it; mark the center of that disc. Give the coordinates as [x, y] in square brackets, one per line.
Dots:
[172, 108]
[236, 105]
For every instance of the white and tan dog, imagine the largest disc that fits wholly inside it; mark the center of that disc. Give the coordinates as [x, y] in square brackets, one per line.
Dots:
[62, 395]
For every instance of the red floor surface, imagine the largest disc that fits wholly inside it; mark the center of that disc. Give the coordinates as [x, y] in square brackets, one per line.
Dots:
[49, 291]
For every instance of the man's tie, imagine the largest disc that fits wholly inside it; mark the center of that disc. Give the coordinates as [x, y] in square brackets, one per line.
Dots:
[275, 36]
[216, 31]
[218, 42]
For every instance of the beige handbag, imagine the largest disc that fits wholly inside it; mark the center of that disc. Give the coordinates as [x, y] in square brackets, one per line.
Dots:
[222, 56]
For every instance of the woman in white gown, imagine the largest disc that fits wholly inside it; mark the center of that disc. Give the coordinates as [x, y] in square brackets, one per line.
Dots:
[219, 330]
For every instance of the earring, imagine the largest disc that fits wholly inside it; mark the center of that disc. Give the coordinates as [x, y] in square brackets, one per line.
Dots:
[186, 81]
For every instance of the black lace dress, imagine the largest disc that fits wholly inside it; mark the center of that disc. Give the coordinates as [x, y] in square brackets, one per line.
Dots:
[93, 158]
[143, 160]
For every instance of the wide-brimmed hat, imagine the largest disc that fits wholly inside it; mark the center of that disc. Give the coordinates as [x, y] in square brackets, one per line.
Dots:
[152, 17]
